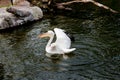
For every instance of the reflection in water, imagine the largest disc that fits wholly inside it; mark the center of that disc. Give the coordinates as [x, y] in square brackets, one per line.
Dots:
[97, 55]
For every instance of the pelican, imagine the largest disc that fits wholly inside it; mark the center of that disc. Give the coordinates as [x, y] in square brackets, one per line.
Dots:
[62, 43]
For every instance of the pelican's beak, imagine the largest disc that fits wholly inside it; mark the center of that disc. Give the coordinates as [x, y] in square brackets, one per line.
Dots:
[43, 35]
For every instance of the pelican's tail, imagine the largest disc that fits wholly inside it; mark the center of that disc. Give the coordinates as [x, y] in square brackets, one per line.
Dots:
[69, 50]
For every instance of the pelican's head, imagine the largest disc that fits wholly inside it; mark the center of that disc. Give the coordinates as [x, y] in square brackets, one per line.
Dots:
[50, 33]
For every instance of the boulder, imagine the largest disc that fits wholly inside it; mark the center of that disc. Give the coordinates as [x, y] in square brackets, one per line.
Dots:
[18, 15]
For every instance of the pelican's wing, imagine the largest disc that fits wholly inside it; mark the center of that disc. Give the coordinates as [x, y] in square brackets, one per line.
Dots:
[62, 40]
[69, 50]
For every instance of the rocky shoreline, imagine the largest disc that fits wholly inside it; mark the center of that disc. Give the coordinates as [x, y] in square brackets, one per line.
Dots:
[18, 15]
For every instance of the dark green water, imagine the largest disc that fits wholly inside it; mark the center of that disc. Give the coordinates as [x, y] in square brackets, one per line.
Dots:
[97, 56]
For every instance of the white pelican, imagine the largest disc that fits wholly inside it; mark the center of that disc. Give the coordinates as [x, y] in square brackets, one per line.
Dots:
[62, 43]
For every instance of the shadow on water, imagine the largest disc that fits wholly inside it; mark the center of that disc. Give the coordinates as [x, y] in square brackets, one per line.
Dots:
[97, 56]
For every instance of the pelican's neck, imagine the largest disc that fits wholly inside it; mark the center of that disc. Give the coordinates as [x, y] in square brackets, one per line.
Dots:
[50, 41]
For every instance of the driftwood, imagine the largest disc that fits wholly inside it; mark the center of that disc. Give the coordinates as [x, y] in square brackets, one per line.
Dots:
[62, 5]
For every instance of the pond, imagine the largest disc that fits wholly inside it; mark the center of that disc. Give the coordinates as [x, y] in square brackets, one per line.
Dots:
[97, 54]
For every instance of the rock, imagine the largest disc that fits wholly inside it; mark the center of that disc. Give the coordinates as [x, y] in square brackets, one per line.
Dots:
[18, 15]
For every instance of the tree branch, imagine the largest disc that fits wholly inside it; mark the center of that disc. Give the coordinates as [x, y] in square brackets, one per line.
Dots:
[61, 5]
